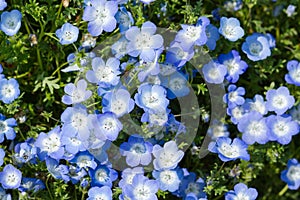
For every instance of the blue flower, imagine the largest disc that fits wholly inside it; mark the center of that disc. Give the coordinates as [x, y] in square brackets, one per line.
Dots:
[26, 152]
[3, 195]
[84, 160]
[233, 5]
[291, 174]
[191, 35]
[167, 157]
[76, 94]
[254, 128]
[141, 188]
[50, 144]
[6, 128]
[137, 151]
[124, 19]
[128, 174]
[3, 4]
[10, 177]
[31, 184]
[230, 29]
[169, 180]
[176, 84]
[100, 15]
[2, 155]
[279, 100]
[77, 62]
[72, 142]
[256, 47]
[236, 113]
[76, 174]
[10, 22]
[103, 193]
[214, 72]
[104, 74]
[293, 76]
[228, 149]
[143, 42]
[67, 34]
[290, 10]
[257, 104]
[241, 191]
[271, 39]
[58, 171]
[235, 66]
[234, 96]
[156, 117]
[190, 184]
[282, 128]
[213, 36]
[118, 49]
[177, 56]
[295, 113]
[218, 129]
[9, 90]
[103, 176]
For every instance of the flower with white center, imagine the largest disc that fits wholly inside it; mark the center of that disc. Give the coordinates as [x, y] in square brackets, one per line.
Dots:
[293, 76]
[76, 94]
[124, 19]
[214, 72]
[291, 175]
[257, 104]
[84, 160]
[234, 96]
[9, 90]
[167, 157]
[156, 117]
[254, 128]
[177, 56]
[128, 174]
[256, 47]
[218, 129]
[103, 175]
[236, 113]
[279, 100]
[67, 34]
[169, 180]
[119, 48]
[6, 128]
[191, 185]
[241, 192]
[56, 170]
[176, 84]
[99, 193]
[230, 29]
[10, 22]
[10, 177]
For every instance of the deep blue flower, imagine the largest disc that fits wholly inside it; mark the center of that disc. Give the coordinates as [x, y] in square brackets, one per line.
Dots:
[190, 184]
[76, 174]
[177, 56]
[3, 4]
[213, 36]
[214, 72]
[230, 29]
[31, 184]
[10, 22]
[103, 176]
[293, 76]
[9, 90]
[234, 96]
[271, 39]
[279, 100]
[256, 47]
[291, 175]
[100, 15]
[103, 193]
[169, 180]
[67, 34]
[124, 19]
[76, 94]
[6, 128]
[241, 191]
[10, 177]
[58, 171]
[228, 149]
[128, 174]
[84, 160]
[144, 42]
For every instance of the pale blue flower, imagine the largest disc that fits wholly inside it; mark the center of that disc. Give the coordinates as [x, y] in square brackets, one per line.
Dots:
[256, 47]
[10, 22]
[67, 34]
[230, 29]
[76, 94]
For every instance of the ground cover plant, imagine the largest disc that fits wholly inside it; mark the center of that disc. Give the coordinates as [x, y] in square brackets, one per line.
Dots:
[149, 99]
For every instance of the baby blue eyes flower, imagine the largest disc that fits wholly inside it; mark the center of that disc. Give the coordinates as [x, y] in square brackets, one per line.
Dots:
[293, 76]
[143, 41]
[212, 36]
[169, 180]
[279, 100]
[128, 174]
[76, 94]
[256, 47]
[31, 184]
[2, 155]
[103, 176]
[3, 4]
[6, 128]
[103, 193]
[214, 72]
[241, 191]
[234, 96]
[290, 10]
[230, 29]
[124, 19]
[67, 34]
[10, 177]
[9, 90]
[291, 175]
[11, 22]
[229, 150]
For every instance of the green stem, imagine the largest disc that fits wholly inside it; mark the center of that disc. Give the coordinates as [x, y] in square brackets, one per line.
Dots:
[21, 75]
[283, 190]
[57, 69]
[83, 194]
[39, 57]
[92, 104]
[51, 36]
[48, 187]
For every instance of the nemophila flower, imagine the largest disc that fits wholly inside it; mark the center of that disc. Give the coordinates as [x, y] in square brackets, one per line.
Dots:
[241, 191]
[71, 142]
[75, 120]
[3, 4]
[25, 152]
[76, 174]
[78, 63]
[84, 160]
[177, 85]
[104, 74]
[293, 76]
[10, 22]
[233, 5]
[256, 104]
[50, 144]
[6, 128]
[137, 151]
[141, 188]
[119, 48]
[88, 41]
[191, 35]
[167, 157]
[151, 97]
[234, 96]
[76, 94]
[279, 100]
[291, 175]
[100, 15]
[31, 184]
[236, 113]
[230, 29]
[103, 176]
[218, 129]
[295, 113]
[212, 35]
[190, 184]
[103, 193]
[290, 10]
[228, 149]
[124, 19]
[67, 34]
[58, 171]
[256, 47]
[214, 72]
[235, 66]
[128, 174]
[216, 14]
[254, 128]
[118, 101]
[271, 39]
[156, 117]
[10, 177]
[143, 41]
[176, 56]
[2, 155]
[169, 180]
[9, 90]
[282, 128]
[166, 68]
[100, 153]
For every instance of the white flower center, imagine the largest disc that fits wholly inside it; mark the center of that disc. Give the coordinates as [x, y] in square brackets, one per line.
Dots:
[143, 41]
[141, 192]
[51, 143]
[279, 102]
[104, 74]
[295, 74]
[168, 177]
[8, 91]
[255, 48]
[233, 96]
[193, 32]
[241, 196]
[193, 188]
[102, 175]
[256, 128]
[280, 128]
[3, 127]
[294, 173]
[232, 66]
[229, 151]
[118, 107]
[214, 73]
[79, 120]
[12, 179]
[138, 148]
